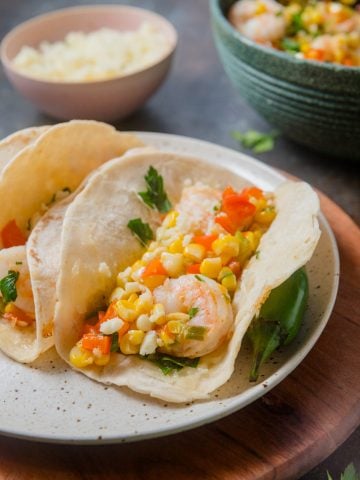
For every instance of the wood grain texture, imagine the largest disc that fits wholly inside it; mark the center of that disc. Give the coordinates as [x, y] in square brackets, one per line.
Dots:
[281, 436]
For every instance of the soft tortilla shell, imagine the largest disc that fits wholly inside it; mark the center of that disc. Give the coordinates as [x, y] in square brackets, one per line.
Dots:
[61, 157]
[97, 244]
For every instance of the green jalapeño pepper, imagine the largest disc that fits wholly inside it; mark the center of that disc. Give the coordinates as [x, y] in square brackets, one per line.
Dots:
[279, 319]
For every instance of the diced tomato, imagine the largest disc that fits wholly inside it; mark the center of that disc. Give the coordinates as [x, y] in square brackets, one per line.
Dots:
[155, 267]
[252, 192]
[194, 268]
[123, 329]
[14, 313]
[11, 235]
[205, 240]
[224, 220]
[90, 341]
[110, 313]
[315, 54]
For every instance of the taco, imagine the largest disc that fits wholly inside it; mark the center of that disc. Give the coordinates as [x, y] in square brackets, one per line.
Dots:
[165, 313]
[36, 187]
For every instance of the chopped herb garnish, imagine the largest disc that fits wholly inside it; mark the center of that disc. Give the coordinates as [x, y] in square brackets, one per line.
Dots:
[66, 189]
[168, 364]
[290, 45]
[256, 141]
[257, 254]
[141, 230]
[8, 286]
[296, 24]
[2, 305]
[199, 278]
[350, 473]
[18, 263]
[195, 333]
[193, 311]
[155, 195]
[114, 347]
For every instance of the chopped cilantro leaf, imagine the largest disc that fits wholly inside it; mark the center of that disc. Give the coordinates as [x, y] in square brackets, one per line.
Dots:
[114, 347]
[193, 311]
[199, 278]
[8, 286]
[290, 45]
[256, 141]
[155, 195]
[141, 230]
[169, 364]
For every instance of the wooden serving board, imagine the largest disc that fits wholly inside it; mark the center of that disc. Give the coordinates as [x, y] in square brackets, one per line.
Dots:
[281, 436]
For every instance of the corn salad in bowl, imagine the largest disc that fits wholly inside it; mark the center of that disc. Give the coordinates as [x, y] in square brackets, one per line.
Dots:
[302, 78]
[317, 30]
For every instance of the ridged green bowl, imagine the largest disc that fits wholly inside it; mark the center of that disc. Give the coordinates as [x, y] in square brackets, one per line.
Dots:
[315, 104]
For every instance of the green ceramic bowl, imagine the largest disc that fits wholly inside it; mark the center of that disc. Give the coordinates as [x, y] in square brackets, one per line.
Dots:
[315, 104]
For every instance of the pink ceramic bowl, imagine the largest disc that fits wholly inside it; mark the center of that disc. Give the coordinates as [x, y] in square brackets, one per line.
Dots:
[99, 100]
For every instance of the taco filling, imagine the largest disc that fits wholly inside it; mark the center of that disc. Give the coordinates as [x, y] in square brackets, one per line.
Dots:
[173, 305]
[16, 294]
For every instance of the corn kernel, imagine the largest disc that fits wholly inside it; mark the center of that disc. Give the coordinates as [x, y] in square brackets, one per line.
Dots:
[223, 273]
[143, 323]
[167, 337]
[227, 245]
[195, 252]
[126, 310]
[153, 246]
[265, 216]
[181, 317]
[158, 314]
[260, 8]
[133, 297]
[149, 344]
[176, 246]
[175, 326]
[80, 358]
[117, 294]
[173, 263]
[133, 287]
[136, 336]
[102, 359]
[170, 219]
[123, 277]
[229, 282]
[144, 303]
[127, 347]
[251, 237]
[211, 267]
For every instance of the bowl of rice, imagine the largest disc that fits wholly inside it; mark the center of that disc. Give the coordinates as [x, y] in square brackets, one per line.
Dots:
[297, 62]
[97, 62]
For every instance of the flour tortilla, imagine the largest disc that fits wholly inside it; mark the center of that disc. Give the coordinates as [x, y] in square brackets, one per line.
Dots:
[52, 158]
[97, 244]
[62, 156]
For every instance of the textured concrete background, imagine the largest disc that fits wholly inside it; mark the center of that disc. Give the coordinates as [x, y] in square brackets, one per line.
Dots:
[199, 101]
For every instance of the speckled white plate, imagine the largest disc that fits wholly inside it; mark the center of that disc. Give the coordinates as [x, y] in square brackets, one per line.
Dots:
[49, 402]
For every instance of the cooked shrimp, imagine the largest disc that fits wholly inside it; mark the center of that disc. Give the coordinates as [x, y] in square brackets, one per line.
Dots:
[258, 20]
[196, 209]
[212, 310]
[14, 258]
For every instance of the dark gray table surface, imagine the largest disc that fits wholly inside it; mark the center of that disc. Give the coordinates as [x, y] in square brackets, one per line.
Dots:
[198, 100]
